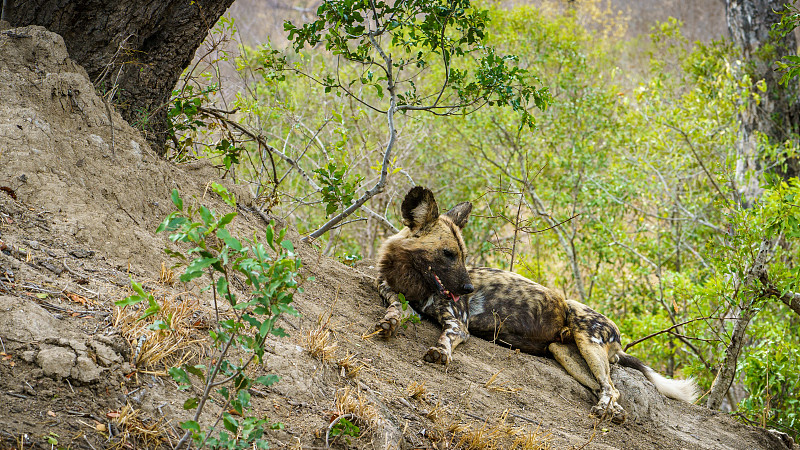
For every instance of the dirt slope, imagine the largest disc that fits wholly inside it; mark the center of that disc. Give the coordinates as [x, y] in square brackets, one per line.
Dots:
[81, 197]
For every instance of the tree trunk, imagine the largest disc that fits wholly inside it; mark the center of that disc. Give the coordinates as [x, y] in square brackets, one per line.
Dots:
[727, 372]
[748, 310]
[777, 116]
[136, 48]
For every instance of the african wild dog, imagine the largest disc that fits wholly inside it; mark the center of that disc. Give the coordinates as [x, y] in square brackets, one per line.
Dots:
[425, 262]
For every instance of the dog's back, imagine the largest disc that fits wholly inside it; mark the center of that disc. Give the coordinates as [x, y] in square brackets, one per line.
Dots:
[512, 310]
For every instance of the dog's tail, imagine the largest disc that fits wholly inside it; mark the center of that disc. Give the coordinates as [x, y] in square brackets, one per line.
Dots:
[684, 390]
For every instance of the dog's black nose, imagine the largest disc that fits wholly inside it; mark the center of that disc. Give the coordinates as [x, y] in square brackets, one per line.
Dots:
[467, 288]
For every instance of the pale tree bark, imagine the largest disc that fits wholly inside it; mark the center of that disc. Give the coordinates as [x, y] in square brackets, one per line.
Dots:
[135, 48]
[777, 115]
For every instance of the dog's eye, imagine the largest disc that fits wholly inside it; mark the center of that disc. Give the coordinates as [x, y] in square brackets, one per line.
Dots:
[449, 254]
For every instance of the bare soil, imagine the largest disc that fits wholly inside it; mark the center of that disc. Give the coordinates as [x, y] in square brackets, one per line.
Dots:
[81, 197]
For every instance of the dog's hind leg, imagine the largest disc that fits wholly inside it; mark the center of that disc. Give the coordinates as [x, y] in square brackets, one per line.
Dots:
[454, 332]
[596, 356]
[572, 361]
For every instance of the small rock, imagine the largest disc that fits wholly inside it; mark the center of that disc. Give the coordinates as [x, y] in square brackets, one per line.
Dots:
[82, 253]
[34, 245]
[29, 356]
[56, 361]
[105, 355]
[85, 370]
[52, 268]
[126, 368]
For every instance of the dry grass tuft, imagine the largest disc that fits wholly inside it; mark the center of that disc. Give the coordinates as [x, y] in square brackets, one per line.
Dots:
[349, 367]
[498, 435]
[166, 276]
[417, 391]
[137, 432]
[168, 338]
[493, 385]
[320, 342]
[435, 414]
[348, 402]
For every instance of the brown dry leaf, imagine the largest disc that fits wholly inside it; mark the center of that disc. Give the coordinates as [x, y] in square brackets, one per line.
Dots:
[77, 298]
[112, 414]
[100, 427]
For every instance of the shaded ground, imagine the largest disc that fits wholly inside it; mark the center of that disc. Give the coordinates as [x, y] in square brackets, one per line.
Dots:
[81, 197]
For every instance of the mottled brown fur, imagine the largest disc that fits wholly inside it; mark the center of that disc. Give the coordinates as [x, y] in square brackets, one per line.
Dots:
[425, 262]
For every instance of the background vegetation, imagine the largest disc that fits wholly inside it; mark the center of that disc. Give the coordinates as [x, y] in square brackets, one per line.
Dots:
[624, 196]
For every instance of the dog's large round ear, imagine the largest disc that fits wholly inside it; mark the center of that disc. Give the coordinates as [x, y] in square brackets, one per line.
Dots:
[460, 213]
[419, 208]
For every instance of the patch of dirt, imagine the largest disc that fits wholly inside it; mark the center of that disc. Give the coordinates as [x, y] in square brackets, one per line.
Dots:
[81, 195]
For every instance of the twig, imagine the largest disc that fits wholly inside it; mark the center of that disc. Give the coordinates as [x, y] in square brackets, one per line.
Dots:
[14, 394]
[536, 422]
[33, 287]
[382, 219]
[667, 330]
[379, 185]
[260, 140]
[358, 219]
[71, 311]
[699, 161]
[88, 443]
[80, 277]
[474, 416]
[332, 424]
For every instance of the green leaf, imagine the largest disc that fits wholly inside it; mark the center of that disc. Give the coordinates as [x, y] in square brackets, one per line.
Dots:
[197, 370]
[230, 423]
[226, 219]
[138, 289]
[180, 377]
[227, 197]
[190, 403]
[267, 380]
[196, 268]
[176, 199]
[191, 425]
[270, 236]
[229, 240]
[128, 301]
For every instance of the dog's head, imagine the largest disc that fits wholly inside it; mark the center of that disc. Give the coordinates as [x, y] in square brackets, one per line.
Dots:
[428, 255]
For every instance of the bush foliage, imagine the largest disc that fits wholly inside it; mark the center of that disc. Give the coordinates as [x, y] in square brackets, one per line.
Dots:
[624, 195]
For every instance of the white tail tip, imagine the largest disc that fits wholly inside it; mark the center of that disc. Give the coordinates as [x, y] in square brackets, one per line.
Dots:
[685, 390]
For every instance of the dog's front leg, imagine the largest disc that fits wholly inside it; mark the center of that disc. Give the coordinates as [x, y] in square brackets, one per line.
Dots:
[454, 332]
[395, 314]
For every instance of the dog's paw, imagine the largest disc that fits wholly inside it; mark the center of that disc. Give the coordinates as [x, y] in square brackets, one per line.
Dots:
[614, 411]
[387, 327]
[437, 355]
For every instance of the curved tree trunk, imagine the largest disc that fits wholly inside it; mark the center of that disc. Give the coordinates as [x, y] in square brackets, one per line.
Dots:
[137, 48]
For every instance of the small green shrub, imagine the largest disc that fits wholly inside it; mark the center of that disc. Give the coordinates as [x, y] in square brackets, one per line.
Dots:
[271, 272]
